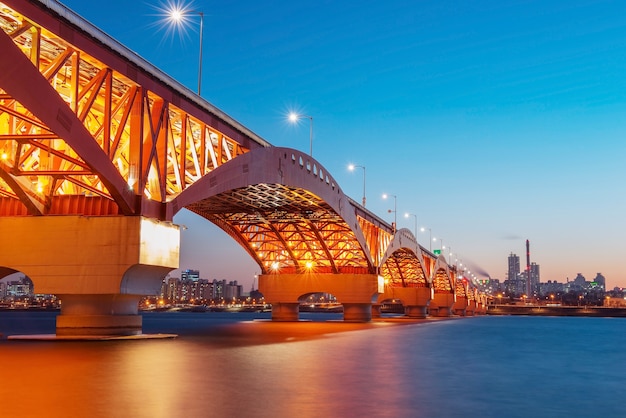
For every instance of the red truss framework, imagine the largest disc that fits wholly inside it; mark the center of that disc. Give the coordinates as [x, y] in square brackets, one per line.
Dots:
[286, 229]
[137, 136]
[403, 269]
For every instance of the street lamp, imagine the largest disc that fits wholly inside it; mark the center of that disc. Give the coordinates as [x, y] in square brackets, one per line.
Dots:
[177, 16]
[430, 238]
[441, 246]
[351, 167]
[293, 117]
[395, 212]
[406, 215]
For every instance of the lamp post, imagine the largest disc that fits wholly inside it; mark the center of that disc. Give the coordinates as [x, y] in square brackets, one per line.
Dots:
[430, 238]
[351, 167]
[177, 16]
[293, 117]
[441, 246]
[406, 215]
[395, 212]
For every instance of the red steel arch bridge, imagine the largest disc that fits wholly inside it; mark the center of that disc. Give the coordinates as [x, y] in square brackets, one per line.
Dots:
[99, 150]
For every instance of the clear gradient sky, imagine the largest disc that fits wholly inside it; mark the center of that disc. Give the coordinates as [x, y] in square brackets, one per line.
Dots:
[493, 121]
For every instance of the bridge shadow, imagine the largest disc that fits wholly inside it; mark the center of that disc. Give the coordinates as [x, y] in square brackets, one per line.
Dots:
[229, 332]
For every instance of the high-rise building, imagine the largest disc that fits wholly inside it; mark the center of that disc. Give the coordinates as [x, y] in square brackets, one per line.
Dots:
[514, 267]
[534, 279]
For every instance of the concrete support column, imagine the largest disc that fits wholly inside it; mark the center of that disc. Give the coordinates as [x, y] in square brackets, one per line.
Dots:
[354, 291]
[99, 315]
[282, 311]
[376, 310]
[471, 308]
[415, 300]
[441, 305]
[416, 311]
[357, 312]
[98, 266]
[460, 306]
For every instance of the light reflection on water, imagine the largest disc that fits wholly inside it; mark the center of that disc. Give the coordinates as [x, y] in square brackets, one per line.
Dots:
[484, 366]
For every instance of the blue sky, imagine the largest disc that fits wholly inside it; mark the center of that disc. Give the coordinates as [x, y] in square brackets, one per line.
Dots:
[493, 121]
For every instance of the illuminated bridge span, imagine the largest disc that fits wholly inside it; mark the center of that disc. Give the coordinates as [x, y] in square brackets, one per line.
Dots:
[99, 150]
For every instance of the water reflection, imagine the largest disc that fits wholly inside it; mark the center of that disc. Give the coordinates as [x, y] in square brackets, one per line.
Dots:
[476, 366]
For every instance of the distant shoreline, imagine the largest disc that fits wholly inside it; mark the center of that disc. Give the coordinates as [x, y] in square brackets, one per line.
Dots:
[595, 311]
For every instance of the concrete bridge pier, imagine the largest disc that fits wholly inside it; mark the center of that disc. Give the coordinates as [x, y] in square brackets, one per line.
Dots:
[282, 311]
[376, 310]
[354, 291]
[415, 299]
[99, 267]
[357, 312]
[460, 306]
[441, 305]
[417, 305]
[471, 308]
[99, 315]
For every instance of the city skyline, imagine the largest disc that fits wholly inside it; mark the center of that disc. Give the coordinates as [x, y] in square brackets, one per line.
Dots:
[492, 122]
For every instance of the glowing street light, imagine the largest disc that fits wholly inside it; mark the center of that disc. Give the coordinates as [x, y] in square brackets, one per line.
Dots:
[177, 16]
[351, 167]
[430, 238]
[441, 246]
[395, 211]
[406, 215]
[293, 118]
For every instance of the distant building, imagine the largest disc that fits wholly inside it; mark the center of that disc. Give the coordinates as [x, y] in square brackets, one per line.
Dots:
[19, 288]
[190, 275]
[516, 287]
[489, 286]
[514, 267]
[534, 279]
[600, 280]
[551, 288]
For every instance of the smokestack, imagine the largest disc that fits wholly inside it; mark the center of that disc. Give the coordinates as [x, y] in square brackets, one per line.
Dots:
[528, 286]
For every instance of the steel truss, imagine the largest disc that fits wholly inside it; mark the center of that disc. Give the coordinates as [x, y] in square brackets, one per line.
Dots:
[156, 147]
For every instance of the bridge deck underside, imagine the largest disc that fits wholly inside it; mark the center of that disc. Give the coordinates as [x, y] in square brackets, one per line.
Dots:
[286, 229]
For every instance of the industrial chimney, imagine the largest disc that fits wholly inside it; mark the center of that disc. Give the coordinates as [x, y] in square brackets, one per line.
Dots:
[528, 280]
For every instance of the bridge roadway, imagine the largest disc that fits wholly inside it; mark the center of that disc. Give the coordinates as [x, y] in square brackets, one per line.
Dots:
[99, 150]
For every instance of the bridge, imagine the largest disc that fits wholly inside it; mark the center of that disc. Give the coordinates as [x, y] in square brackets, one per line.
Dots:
[99, 150]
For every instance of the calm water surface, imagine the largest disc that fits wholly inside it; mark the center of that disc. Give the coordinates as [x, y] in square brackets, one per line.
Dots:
[224, 365]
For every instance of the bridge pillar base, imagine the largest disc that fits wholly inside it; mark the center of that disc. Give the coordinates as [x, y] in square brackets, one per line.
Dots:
[285, 311]
[444, 311]
[357, 312]
[376, 310]
[91, 315]
[416, 311]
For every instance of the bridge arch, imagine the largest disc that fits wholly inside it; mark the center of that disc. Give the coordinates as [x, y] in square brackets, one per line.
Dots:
[403, 264]
[405, 269]
[444, 288]
[284, 209]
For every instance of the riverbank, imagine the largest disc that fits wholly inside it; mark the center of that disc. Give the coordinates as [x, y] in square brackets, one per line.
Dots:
[593, 311]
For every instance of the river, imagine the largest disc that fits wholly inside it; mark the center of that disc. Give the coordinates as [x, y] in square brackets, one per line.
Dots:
[241, 365]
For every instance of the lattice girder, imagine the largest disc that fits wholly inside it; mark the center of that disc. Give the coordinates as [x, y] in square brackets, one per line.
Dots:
[403, 269]
[285, 228]
[461, 288]
[153, 140]
[441, 281]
